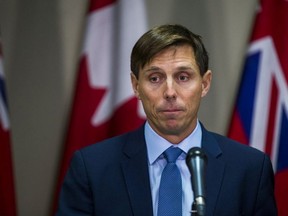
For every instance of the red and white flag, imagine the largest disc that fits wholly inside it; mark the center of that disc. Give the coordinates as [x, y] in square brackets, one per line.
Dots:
[260, 117]
[7, 191]
[104, 103]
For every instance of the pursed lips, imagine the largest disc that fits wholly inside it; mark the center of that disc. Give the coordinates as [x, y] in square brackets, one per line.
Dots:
[171, 111]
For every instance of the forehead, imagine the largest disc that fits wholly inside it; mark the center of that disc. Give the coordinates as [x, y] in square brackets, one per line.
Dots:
[181, 54]
[174, 50]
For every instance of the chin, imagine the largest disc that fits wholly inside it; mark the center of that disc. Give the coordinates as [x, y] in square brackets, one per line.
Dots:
[173, 129]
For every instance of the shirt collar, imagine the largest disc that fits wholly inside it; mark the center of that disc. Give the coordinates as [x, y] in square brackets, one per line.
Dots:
[156, 144]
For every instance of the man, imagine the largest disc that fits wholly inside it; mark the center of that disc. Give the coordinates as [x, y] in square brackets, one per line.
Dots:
[122, 175]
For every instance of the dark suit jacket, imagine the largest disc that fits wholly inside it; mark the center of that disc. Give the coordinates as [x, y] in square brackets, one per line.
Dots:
[111, 178]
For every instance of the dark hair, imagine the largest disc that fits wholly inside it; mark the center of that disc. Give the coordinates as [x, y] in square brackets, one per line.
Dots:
[162, 37]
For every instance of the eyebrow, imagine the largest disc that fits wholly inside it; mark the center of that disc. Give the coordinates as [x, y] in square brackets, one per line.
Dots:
[152, 69]
[185, 68]
[155, 68]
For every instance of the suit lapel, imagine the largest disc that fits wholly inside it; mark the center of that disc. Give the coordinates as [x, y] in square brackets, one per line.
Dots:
[215, 170]
[136, 174]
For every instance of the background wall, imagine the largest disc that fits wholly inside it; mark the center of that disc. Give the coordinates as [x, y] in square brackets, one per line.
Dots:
[41, 42]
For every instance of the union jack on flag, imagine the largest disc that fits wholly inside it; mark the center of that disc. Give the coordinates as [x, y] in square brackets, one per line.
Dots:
[260, 117]
[7, 195]
[4, 121]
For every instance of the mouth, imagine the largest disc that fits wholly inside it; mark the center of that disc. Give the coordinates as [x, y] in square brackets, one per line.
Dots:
[171, 112]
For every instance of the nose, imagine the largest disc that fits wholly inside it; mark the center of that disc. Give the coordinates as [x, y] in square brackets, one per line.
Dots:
[170, 91]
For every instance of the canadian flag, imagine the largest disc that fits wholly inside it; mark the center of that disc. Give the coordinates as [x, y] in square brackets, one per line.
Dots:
[104, 103]
[260, 117]
[7, 191]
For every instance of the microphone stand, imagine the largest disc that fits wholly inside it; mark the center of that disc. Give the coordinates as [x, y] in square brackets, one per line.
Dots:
[194, 210]
[198, 207]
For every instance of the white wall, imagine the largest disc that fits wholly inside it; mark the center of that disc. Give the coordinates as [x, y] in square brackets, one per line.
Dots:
[41, 42]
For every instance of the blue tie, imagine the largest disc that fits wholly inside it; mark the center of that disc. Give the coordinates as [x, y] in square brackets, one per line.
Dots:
[170, 191]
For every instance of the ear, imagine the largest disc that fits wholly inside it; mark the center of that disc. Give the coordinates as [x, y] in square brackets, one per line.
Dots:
[135, 84]
[206, 82]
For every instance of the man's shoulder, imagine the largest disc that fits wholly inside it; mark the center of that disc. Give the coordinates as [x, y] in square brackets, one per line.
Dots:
[235, 150]
[239, 153]
[230, 144]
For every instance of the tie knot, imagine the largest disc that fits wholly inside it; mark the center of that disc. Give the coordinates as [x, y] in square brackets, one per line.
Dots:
[171, 154]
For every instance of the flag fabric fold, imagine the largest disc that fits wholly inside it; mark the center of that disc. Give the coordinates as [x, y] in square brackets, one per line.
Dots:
[104, 103]
[7, 190]
[260, 117]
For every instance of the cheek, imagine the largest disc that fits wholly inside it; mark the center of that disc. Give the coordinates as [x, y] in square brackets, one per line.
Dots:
[192, 97]
[193, 92]
[147, 93]
[149, 100]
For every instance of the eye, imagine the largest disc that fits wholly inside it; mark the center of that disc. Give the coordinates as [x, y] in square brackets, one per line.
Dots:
[183, 77]
[154, 78]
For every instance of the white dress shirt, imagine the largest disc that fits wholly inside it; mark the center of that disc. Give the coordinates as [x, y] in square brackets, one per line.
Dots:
[156, 145]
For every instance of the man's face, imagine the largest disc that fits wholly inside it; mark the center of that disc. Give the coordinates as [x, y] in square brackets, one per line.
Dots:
[170, 88]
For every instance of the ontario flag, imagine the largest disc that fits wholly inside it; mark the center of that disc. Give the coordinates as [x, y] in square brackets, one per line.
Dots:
[260, 117]
[7, 191]
[104, 103]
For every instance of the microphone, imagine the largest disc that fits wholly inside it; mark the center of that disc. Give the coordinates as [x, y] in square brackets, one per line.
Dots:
[196, 161]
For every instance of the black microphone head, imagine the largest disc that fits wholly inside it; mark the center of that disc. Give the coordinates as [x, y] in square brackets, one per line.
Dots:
[196, 161]
[195, 152]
